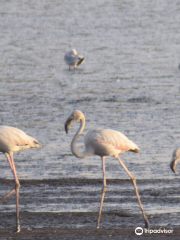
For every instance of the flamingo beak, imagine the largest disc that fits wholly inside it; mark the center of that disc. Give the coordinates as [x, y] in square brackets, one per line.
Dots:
[173, 165]
[68, 123]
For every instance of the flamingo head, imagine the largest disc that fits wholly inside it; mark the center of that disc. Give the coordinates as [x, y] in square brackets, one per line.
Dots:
[75, 116]
[175, 159]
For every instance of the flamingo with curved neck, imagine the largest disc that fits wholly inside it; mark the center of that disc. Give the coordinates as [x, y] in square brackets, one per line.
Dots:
[103, 142]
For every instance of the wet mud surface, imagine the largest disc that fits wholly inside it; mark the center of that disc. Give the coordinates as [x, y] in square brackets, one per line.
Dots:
[83, 234]
[68, 209]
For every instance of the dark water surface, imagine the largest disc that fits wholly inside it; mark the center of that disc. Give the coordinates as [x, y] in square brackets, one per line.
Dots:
[129, 82]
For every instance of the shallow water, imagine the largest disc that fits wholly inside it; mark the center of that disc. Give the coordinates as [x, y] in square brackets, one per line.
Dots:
[129, 82]
[74, 203]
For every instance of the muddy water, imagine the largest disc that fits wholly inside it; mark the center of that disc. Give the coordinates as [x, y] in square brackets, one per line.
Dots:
[129, 82]
[74, 203]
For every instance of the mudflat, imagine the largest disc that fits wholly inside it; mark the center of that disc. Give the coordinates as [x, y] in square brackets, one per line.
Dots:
[68, 209]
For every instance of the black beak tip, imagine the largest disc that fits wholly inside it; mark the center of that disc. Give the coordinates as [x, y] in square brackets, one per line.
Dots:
[173, 169]
[66, 128]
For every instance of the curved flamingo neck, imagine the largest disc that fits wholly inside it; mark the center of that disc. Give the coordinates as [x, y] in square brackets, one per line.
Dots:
[74, 150]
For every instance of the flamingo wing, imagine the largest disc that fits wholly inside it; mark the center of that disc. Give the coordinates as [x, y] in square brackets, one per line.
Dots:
[106, 142]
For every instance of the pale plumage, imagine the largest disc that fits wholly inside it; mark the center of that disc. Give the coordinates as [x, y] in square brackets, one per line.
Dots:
[107, 142]
[13, 140]
[103, 142]
[71, 58]
[175, 159]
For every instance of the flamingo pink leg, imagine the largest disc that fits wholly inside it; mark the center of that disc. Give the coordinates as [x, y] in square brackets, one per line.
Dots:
[136, 191]
[12, 166]
[7, 195]
[103, 191]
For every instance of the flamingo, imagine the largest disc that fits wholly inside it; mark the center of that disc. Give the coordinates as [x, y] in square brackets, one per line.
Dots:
[71, 58]
[175, 159]
[103, 142]
[13, 140]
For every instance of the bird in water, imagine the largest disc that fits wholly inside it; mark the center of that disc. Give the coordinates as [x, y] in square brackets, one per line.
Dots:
[13, 140]
[175, 159]
[103, 142]
[71, 58]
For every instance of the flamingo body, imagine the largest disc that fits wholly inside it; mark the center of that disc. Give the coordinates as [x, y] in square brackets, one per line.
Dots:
[107, 142]
[71, 58]
[13, 140]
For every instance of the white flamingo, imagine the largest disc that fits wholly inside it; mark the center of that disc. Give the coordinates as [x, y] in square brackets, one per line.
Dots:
[13, 140]
[103, 142]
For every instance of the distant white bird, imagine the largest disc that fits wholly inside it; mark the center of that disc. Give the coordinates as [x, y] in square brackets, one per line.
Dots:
[175, 159]
[71, 58]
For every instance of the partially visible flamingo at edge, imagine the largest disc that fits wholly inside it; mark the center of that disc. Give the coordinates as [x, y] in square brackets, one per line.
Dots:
[175, 159]
[13, 140]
